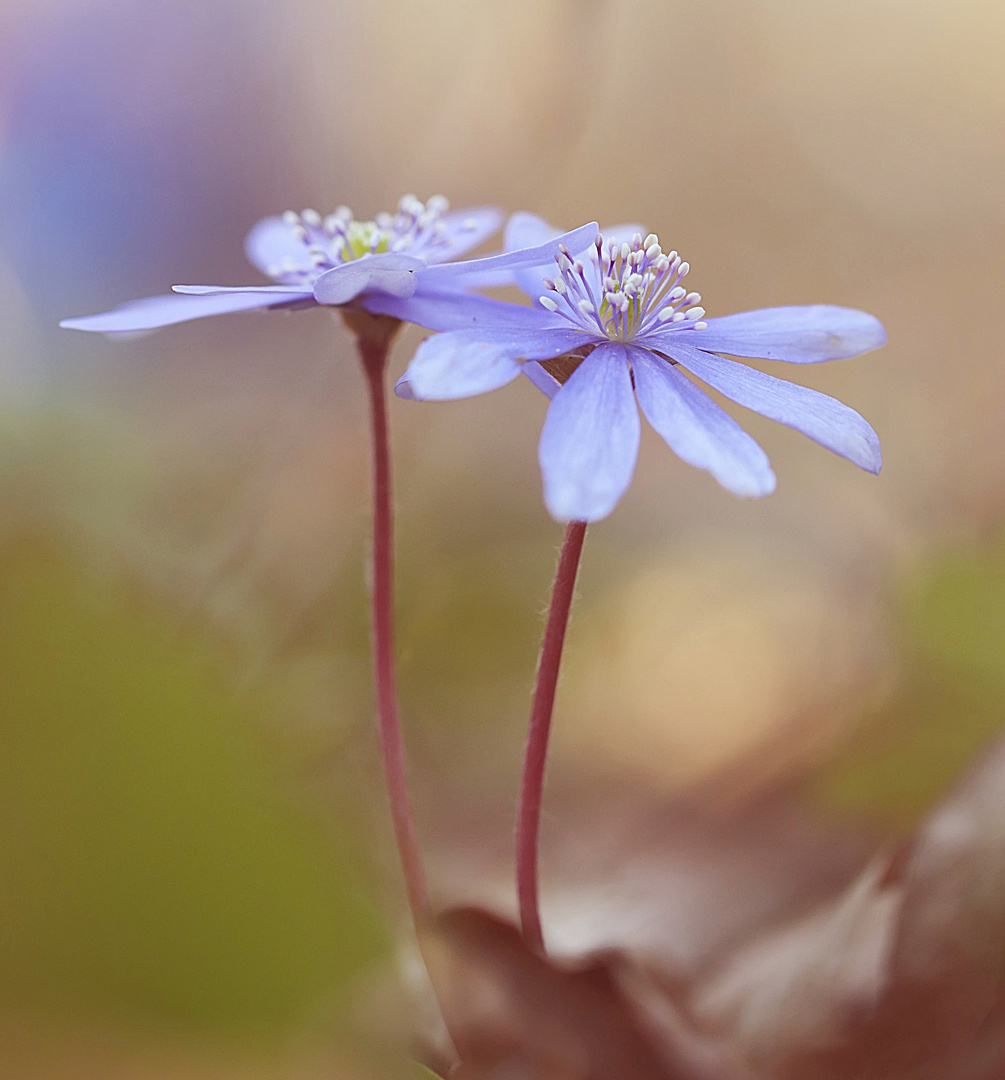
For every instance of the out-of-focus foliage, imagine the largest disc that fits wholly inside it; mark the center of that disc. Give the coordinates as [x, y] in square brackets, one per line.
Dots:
[151, 861]
[951, 698]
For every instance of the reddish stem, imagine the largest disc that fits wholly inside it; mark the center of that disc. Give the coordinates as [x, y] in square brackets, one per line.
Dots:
[528, 821]
[373, 350]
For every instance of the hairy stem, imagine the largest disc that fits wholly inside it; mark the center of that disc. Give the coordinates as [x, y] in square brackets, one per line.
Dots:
[528, 822]
[373, 340]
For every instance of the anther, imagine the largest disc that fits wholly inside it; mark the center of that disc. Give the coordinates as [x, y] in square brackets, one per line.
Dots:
[312, 217]
[694, 313]
[651, 239]
[586, 307]
[291, 217]
[547, 303]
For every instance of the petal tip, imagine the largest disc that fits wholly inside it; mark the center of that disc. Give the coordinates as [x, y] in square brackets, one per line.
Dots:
[403, 389]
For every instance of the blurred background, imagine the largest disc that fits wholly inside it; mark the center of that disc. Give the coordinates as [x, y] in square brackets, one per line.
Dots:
[196, 878]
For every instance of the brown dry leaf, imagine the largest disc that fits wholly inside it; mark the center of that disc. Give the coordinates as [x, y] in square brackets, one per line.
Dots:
[901, 977]
[515, 1015]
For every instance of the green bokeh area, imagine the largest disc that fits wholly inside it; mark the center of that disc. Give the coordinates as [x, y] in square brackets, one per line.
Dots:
[951, 700]
[153, 861]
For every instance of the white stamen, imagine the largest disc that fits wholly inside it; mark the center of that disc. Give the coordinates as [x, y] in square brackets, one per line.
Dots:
[586, 307]
[678, 293]
[694, 313]
[653, 251]
[700, 326]
[692, 298]
[291, 217]
[683, 269]
[547, 303]
[651, 239]
[560, 287]
[678, 316]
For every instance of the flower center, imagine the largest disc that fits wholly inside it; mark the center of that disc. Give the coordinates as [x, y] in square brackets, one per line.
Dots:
[627, 290]
[417, 228]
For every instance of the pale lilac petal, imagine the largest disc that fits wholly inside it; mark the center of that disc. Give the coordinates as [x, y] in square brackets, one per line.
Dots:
[696, 429]
[390, 273]
[464, 230]
[213, 290]
[822, 418]
[156, 311]
[476, 271]
[799, 335]
[271, 243]
[460, 311]
[463, 363]
[524, 230]
[590, 441]
[547, 384]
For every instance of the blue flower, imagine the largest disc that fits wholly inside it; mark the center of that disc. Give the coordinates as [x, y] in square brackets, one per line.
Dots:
[399, 264]
[617, 327]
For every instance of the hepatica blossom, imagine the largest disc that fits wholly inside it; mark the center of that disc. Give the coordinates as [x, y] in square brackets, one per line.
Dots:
[619, 327]
[399, 264]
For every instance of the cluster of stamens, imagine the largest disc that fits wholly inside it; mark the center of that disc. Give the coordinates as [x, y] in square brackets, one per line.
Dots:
[416, 228]
[630, 289]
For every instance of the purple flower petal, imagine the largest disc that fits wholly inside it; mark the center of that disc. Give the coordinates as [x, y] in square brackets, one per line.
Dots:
[271, 242]
[459, 311]
[464, 230]
[388, 273]
[524, 230]
[696, 429]
[478, 271]
[822, 418]
[214, 290]
[463, 363]
[590, 440]
[156, 311]
[547, 384]
[800, 335]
